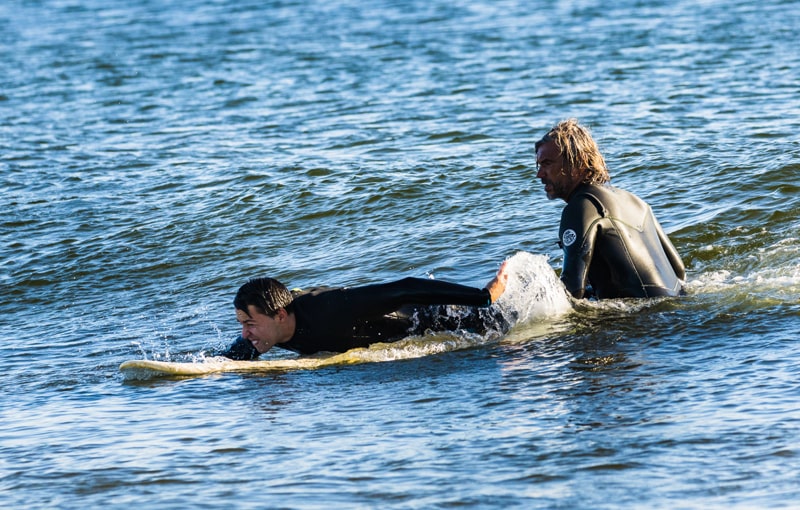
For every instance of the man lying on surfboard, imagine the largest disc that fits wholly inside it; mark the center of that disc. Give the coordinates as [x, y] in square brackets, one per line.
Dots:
[340, 319]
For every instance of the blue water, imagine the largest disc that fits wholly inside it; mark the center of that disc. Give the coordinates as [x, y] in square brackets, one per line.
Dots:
[155, 155]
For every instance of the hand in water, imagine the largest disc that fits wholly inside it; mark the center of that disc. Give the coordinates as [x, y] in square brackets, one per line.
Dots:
[497, 286]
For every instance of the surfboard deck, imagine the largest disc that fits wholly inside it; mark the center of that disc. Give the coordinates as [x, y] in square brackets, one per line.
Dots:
[143, 369]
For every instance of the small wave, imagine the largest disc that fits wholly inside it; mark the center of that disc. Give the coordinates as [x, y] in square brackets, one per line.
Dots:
[771, 271]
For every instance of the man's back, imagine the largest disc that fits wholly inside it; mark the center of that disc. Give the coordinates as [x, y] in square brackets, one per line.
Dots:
[612, 239]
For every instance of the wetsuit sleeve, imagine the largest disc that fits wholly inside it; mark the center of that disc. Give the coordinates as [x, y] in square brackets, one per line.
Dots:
[672, 254]
[577, 237]
[241, 349]
[380, 299]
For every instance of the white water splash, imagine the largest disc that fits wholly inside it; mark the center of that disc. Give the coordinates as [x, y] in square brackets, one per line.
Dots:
[533, 292]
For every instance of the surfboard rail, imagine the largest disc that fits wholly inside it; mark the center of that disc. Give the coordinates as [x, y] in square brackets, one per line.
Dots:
[143, 369]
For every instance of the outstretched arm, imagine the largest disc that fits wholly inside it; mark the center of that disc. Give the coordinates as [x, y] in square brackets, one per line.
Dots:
[385, 298]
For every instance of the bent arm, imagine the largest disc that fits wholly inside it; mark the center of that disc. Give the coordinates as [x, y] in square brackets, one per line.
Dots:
[576, 268]
[577, 259]
[577, 237]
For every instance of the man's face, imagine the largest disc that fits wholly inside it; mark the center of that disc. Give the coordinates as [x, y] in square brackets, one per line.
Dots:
[558, 181]
[261, 330]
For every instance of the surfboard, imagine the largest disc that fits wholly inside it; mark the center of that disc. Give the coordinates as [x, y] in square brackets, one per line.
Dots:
[143, 369]
[412, 347]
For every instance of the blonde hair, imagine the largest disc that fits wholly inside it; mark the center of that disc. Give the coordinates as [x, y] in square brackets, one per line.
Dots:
[579, 150]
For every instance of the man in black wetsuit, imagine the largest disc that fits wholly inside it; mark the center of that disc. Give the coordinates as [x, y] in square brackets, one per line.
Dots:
[339, 319]
[613, 245]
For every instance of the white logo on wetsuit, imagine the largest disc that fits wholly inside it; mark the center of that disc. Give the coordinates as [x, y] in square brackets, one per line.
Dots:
[569, 237]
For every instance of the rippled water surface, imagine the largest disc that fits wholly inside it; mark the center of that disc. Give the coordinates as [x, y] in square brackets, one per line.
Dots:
[157, 154]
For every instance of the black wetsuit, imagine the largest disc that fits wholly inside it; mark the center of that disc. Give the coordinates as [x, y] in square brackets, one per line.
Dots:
[340, 319]
[612, 241]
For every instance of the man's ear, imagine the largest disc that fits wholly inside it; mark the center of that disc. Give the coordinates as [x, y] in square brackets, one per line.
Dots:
[281, 314]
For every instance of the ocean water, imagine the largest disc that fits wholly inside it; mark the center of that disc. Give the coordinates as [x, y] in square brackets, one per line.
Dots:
[154, 155]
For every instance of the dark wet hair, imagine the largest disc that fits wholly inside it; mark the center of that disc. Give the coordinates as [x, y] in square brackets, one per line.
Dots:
[266, 294]
[579, 150]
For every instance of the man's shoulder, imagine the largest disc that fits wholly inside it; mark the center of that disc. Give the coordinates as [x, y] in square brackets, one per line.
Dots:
[311, 291]
[582, 211]
[587, 198]
[315, 299]
[597, 191]
[603, 197]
